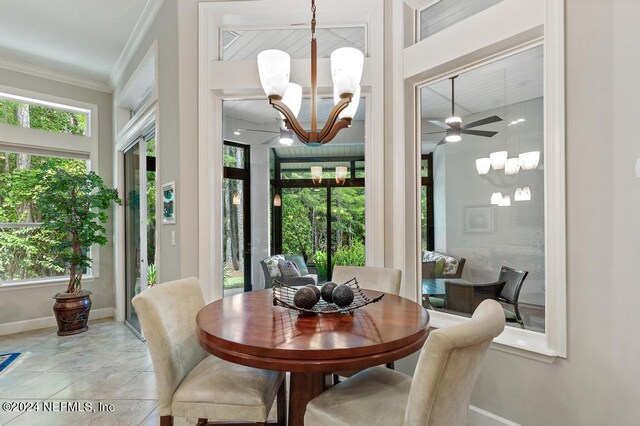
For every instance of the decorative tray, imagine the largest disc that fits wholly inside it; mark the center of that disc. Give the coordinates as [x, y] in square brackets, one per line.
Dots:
[283, 296]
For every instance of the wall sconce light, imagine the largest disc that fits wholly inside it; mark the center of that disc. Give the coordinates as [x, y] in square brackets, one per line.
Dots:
[277, 200]
[316, 175]
[483, 165]
[498, 159]
[341, 175]
[522, 194]
[496, 198]
[512, 166]
[529, 160]
[505, 202]
[236, 199]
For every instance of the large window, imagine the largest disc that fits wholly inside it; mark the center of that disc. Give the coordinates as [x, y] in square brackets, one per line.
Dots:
[488, 190]
[26, 250]
[21, 112]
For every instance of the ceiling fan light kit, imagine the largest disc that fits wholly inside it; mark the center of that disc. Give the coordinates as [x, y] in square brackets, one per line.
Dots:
[347, 64]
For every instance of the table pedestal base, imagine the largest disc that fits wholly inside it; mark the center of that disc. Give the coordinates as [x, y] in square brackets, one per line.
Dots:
[302, 389]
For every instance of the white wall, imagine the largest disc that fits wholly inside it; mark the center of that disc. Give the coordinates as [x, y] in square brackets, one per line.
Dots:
[598, 383]
[34, 302]
[175, 261]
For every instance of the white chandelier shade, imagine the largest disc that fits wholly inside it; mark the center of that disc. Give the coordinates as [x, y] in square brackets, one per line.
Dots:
[316, 174]
[286, 137]
[274, 67]
[483, 165]
[505, 202]
[346, 69]
[529, 160]
[498, 159]
[496, 198]
[352, 108]
[512, 166]
[341, 174]
[293, 99]
[522, 194]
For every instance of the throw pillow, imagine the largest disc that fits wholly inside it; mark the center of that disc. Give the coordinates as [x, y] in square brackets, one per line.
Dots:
[439, 267]
[288, 268]
[272, 264]
[299, 261]
[451, 266]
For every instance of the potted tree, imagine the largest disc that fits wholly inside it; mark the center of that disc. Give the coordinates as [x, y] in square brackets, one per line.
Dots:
[73, 207]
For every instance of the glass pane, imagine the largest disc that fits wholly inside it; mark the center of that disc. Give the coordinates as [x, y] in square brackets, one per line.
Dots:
[486, 211]
[234, 250]
[243, 45]
[233, 156]
[26, 251]
[152, 268]
[132, 231]
[304, 225]
[444, 13]
[347, 226]
[35, 116]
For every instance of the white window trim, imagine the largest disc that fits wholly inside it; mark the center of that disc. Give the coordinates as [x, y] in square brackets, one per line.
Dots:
[526, 22]
[45, 143]
[218, 79]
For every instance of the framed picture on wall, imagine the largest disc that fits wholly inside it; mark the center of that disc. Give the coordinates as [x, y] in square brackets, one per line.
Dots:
[169, 203]
[478, 219]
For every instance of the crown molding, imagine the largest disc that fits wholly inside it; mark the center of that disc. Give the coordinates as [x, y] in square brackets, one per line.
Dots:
[147, 16]
[50, 74]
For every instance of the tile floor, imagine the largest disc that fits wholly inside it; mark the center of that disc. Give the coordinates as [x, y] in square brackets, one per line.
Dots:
[107, 364]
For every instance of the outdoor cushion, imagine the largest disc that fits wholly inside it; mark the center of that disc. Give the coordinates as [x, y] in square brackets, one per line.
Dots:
[439, 267]
[300, 263]
[451, 263]
[510, 315]
[288, 268]
[272, 264]
[436, 302]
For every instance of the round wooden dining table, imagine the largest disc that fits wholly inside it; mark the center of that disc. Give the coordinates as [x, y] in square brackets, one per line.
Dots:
[248, 329]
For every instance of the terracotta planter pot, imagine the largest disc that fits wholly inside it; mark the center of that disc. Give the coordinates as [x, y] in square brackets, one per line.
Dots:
[72, 312]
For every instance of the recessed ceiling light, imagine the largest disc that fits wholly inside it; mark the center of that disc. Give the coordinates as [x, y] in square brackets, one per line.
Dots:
[237, 133]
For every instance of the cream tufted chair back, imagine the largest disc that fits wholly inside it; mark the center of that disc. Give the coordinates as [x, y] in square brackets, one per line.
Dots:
[448, 367]
[167, 313]
[369, 277]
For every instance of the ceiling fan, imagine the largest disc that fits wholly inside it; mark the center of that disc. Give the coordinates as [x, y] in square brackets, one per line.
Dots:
[284, 136]
[453, 127]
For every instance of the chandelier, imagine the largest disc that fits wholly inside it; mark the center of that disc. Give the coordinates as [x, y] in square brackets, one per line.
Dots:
[346, 71]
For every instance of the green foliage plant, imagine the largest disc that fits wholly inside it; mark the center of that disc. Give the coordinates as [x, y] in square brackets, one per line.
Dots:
[74, 206]
[152, 275]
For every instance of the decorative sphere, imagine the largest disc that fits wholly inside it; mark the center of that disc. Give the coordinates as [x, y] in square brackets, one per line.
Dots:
[305, 298]
[343, 296]
[316, 290]
[327, 291]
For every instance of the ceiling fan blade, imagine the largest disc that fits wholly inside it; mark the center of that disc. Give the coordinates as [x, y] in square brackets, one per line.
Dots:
[440, 124]
[492, 119]
[482, 133]
[270, 140]
[433, 133]
[257, 130]
[442, 142]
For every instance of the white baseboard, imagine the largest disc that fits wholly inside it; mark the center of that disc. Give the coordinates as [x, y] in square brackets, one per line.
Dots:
[480, 417]
[38, 323]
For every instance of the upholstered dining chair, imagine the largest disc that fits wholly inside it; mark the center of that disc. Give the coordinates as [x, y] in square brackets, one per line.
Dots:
[192, 383]
[369, 277]
[439, 392]
[372, 278]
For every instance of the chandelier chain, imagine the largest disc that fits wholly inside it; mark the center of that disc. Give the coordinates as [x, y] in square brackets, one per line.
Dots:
[313, 19]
